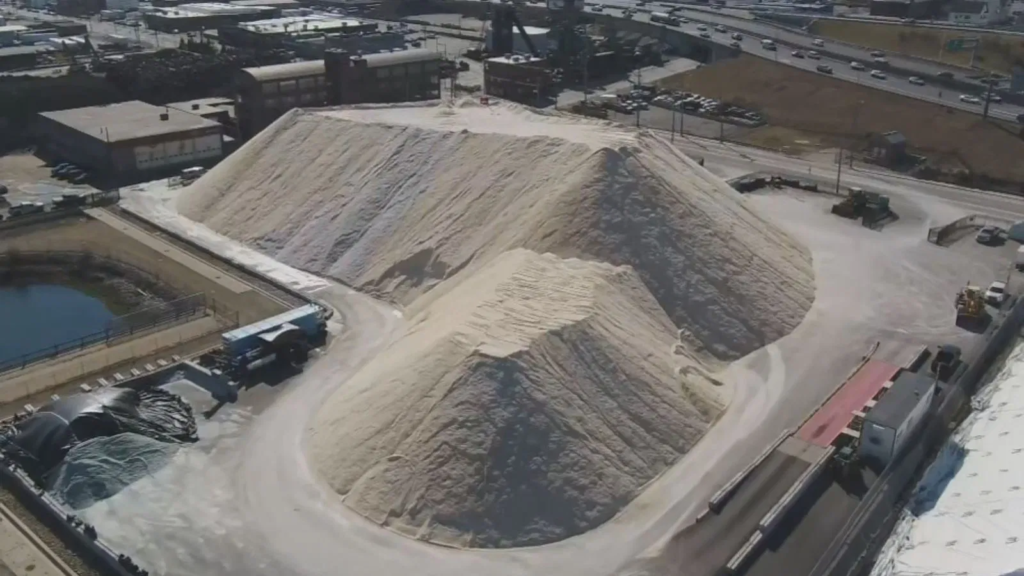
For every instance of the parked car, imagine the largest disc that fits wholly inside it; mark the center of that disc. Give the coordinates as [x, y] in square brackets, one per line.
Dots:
[945, 75]
[915, 81]
[819, 42]
[735, 44]
[56, 169]
[988, 235]
[968, 99]
[878, 74]
[879, 60]
[824, 69]
[995, 99]
[705, 34]
[25, 208]
[996, 293]
[737, 36]
[857, 66]
[702, 27]
[877, 54]
[814, 55]
[797, 54]
[720, 29]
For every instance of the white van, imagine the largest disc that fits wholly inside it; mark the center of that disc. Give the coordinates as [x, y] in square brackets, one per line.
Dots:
[1019, 260]
[193, 173]
[768, 44]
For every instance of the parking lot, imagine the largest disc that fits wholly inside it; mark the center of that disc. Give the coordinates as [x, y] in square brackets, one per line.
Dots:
[27, 179]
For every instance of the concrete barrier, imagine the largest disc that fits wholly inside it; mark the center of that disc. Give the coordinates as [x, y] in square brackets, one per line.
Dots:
[741, 558]
[721, 498]
[771, 520]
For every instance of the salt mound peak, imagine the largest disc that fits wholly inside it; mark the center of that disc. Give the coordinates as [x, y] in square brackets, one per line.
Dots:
[395, 199]
[528, 402]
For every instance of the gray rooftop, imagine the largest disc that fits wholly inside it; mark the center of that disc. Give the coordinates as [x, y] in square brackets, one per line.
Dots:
[400, 57]
[128, 121]
[894, 406]
[286, 71]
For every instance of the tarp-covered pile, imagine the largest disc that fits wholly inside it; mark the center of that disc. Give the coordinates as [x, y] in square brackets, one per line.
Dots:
[39, 443]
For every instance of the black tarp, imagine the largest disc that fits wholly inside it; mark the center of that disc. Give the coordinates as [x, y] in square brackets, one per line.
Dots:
[38, 443]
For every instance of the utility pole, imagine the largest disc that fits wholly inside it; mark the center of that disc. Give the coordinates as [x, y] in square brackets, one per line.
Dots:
[639, 82]
[988, 96]
[673, 130]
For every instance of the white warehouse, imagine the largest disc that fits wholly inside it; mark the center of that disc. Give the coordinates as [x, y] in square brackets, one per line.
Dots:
[130, 141]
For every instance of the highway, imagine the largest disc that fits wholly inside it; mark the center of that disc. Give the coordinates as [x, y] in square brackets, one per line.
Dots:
[753, 32]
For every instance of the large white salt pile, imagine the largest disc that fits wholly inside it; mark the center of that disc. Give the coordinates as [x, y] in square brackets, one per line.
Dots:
[394, 199]
[528, 402]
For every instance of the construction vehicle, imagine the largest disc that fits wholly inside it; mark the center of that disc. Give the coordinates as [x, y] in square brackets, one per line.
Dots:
[970, 308]
[870, 207]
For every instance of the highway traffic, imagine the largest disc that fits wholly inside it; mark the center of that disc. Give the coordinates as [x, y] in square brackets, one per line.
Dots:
[691, 22]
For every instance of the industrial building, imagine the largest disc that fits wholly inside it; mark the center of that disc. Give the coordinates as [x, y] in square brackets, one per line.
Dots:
[363, 43]
[265, 93]
[895, 416]
[10, 33]
[523, 79]
[273, 32]
[130, 141]
[205, 16]
[20, 57]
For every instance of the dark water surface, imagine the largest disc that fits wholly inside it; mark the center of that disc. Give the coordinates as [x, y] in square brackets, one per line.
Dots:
[42, 315]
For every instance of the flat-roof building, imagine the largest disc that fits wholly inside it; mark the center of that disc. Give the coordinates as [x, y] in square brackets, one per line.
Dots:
[523, 79]
[205, 16]
[265, 93]
[130, 141]
[273, 32]
[895, 416]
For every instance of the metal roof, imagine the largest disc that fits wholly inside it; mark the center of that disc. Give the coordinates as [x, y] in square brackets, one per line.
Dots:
[128, 121]
[901, 399]
[269, 324]
[401, 57]
[286, 71]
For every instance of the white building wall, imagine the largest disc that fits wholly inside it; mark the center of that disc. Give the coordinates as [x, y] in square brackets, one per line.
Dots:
[876, 442]
[174, 152]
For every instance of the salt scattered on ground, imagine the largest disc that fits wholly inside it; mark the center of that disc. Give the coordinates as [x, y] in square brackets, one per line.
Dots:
[527, 403]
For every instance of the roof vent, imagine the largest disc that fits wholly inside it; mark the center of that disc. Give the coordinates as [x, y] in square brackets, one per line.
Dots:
[195, 106]
[164, 116]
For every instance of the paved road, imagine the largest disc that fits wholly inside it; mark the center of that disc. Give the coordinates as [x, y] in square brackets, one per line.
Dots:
[751, 44]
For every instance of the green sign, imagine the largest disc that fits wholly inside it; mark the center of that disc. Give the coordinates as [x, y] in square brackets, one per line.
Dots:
[961, 44]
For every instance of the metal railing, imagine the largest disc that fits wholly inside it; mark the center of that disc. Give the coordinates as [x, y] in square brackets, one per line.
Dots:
[117, 328]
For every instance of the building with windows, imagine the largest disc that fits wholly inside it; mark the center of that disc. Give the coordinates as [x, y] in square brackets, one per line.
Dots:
[401, 76]
[130, 141]
[976, 12]
[265, 93]
[522, 79]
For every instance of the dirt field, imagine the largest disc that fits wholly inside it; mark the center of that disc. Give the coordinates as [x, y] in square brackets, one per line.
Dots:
[997, 52]
[816, 109]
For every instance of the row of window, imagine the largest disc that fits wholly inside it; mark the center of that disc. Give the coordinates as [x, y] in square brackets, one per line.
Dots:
[293, 85]
[305, 98]
[412, 69]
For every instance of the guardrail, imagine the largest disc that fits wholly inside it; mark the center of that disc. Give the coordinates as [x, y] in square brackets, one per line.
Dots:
[94, 199]
[940, 234]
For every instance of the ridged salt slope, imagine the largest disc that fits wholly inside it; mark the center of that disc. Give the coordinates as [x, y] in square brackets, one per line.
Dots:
[394, 199]
[527, 403]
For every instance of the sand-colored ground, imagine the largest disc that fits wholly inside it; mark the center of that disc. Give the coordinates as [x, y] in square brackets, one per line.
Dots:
[569, 286]
[834, 112]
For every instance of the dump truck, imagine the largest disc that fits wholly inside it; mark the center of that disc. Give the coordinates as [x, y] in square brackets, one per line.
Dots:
[970, 308]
